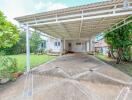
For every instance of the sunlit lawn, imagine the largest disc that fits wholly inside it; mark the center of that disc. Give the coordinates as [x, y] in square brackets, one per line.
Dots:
[35, 60]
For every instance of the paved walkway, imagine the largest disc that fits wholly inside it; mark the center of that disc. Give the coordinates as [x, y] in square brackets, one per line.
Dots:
[70, 77]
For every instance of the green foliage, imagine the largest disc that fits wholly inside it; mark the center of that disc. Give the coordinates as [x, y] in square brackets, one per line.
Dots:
[9, 33]
[8, 66]
[120, 41]
[20, 46]
[35, 41]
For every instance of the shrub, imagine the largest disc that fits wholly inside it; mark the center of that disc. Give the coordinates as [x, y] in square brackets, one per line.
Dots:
[8, 66]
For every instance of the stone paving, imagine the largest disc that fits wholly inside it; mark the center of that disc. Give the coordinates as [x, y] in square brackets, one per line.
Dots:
[70, 77]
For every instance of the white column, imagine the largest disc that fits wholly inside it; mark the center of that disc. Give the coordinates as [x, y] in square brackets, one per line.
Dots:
[90, 45]
[27, 49]
[64, 44]
[61, 48]
[87, 43]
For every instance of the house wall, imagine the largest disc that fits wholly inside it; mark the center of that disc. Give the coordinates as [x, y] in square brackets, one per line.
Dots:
[51, 45]
[76, 46]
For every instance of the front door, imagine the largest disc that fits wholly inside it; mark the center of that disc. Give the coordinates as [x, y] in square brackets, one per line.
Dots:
[69, 46]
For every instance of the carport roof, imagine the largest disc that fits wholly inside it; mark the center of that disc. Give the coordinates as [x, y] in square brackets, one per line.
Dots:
[81, 21]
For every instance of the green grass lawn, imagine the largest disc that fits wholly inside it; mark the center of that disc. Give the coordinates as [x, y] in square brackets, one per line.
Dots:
[35, 60]
[125, 67]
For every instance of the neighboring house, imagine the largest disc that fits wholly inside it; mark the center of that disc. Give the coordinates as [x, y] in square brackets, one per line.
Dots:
[101, 46]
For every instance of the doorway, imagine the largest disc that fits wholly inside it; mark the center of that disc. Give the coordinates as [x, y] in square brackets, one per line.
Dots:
[69, 47]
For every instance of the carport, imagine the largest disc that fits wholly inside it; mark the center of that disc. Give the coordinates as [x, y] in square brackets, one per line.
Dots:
[79, 23]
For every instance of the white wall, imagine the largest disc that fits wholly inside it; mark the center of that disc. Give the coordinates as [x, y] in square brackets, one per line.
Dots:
[84, 47]
[75, 47]
[51, 45]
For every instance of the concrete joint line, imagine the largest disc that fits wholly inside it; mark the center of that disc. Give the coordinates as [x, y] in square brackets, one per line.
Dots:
[80, 74]
[85, 73]
[83, 89]
[65, 73]
[126, 94]
[49, 69]
[55, 66]
[120, 93]
[114, 79]
[96, 68]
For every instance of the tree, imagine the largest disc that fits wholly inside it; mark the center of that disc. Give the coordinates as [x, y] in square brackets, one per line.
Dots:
[20, 46]
[120, 41]
[35, 41]
[9, 33]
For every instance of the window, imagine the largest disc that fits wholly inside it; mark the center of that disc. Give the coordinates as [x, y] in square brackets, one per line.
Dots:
[43, 44]
[57, 43]
[78, 43]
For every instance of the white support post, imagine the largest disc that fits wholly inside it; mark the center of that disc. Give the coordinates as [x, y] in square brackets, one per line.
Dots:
[87, 46]
[90, 45]
[61, 48]
[27, 50]
[64, 44]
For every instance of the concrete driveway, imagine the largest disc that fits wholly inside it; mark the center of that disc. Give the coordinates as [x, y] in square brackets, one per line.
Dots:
[70, 77]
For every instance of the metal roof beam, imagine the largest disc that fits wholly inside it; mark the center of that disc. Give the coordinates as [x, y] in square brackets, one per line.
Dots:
[125, 22]
[52, 31]
[85, 18]
[67, 10]
[74, 16]
[64, 29]
[81, 24]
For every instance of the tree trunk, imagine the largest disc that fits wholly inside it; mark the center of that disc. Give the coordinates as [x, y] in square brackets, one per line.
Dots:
[119, 54]
[113, 56]
[111, 52]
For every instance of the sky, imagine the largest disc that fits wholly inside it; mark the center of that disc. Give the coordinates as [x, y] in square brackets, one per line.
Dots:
[16, 8]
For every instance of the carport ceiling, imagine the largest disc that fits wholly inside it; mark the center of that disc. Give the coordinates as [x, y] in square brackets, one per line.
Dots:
[79, 22]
